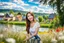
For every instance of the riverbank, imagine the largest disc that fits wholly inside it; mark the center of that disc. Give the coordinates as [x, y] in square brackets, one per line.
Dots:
[22, 23]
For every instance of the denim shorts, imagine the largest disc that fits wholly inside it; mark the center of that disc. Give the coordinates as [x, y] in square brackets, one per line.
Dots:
[36, 38]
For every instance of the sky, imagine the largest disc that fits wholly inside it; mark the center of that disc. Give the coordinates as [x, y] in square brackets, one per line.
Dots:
[26, 5]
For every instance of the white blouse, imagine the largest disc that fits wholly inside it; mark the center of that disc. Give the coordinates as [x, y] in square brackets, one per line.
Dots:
[32, 29]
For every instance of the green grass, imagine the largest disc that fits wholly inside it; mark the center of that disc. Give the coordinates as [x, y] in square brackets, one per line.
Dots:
[13, 22]
[22, 23]
[45, 25]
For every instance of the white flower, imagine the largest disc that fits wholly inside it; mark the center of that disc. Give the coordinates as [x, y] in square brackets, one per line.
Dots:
[60, 34]
[61, 38]
[63, 31]
[10, 40]
[54, 40]
[55, 33]
[1, 35]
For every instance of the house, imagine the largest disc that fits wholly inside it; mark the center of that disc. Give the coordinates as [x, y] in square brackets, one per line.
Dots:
[1, 16]
[19, 17]
[51, 17]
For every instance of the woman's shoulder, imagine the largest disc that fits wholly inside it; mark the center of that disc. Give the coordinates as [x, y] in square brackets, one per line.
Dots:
[37, 23]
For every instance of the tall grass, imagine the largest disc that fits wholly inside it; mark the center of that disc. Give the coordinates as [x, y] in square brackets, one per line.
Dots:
[19, 37]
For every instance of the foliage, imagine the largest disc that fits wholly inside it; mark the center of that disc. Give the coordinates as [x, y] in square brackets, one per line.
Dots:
[56, 4]
[40, 18]
[55, 22]
[13, 22]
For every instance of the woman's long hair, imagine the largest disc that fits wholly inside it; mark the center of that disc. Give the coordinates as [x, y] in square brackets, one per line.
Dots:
[28, 22]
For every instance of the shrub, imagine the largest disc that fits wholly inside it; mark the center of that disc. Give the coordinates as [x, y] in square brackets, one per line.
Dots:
[40, 18]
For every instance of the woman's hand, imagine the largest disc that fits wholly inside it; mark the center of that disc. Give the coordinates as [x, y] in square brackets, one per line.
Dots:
[27, 39]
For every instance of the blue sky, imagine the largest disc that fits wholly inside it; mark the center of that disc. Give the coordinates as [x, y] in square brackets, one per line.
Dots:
[26, 5]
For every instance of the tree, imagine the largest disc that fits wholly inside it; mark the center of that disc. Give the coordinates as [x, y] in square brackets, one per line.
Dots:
[45, 17]
[59, 4]
[40, 18]
[11, 11]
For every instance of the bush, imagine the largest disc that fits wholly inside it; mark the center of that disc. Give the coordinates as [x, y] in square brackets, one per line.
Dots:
[45, 25]
[40, 18]
[54, 23]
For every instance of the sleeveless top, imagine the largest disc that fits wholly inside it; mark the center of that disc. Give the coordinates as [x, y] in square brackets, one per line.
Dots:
[32, 29]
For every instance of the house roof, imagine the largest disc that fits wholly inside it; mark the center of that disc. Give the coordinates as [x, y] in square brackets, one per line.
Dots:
[1, 14]
[51, 16]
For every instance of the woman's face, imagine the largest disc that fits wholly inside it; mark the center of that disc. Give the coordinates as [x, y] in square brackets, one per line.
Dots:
[30, 17]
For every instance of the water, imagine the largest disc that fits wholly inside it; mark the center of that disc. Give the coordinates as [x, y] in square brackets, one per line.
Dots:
[17, 28]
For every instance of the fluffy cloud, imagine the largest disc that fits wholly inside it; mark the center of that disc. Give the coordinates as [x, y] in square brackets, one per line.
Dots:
[36, 9]
[9, 5]
[20, 5]
[41, 10]
[49, 11]
[1, 4]
[21, 2]
[30, 0]
[6, 5]
[36, 2]
[46, 6]
[17, 0]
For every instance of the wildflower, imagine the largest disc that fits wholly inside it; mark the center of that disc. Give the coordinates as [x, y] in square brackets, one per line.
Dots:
[54, 40]
[10, 40]
[58, 30]
[60, 34]
[61, 38]
[1, 35]
[2, 42]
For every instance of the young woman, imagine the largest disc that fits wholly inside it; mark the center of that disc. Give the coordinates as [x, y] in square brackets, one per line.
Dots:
[32, 27]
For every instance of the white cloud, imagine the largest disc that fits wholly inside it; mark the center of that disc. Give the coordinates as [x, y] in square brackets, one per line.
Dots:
[21, 2]
[46, 8]
[50, 10]
[41, 5]
[30, 0]
[17, 0]
[40, 10]
[21, 7]
[6, 5]
[36, 9]
[36, 2]
[9, 5]
[1, 4]
[14, 0]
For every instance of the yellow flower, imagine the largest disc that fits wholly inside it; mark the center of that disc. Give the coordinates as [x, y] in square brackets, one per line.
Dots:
[2, 42]
[43, 32]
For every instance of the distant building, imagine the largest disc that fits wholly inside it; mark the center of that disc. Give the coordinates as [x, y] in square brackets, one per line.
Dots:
[19, 17]
[51, 17]
[1, 16]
